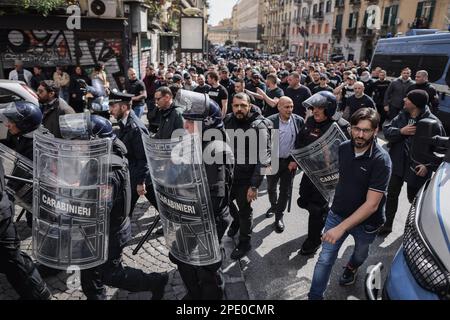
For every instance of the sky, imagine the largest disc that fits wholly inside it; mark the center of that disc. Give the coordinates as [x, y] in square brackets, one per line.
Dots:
[220, 9]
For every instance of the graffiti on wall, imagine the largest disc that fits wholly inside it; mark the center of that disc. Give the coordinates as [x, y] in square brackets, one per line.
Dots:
[49, 48]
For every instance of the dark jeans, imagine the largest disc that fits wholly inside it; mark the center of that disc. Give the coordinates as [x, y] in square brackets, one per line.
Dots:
[383, 115]
[394, 189]
[18, 266]
[112, 272]
[242, 214]
[284, 176]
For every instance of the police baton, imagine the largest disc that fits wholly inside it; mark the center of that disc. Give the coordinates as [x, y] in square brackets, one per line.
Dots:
[145, 237]
[18, 179]
[291, 188]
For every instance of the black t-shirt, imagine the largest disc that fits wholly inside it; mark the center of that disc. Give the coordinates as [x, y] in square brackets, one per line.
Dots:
[335, 80]
[203, 89]
[274, 93]
[135, 87]
[358, 103]
[298, 96]
[312, 85]
[283, 86]
[229, 85]
[319, 89]
[218, 94]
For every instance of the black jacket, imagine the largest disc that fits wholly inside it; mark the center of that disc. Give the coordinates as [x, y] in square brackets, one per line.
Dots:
[131, 136]
[249, 174]
[171, 119]
[22, 144]
[312, 130]
[51, 113]
[5, 204]
[400, 146]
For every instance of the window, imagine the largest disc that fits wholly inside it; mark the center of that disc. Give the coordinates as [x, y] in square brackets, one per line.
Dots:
[425, 10]
[339, 19]
[353, 20]
[390, 16]
[393, 64]
[315, 9]
[319, 29]
[321, 7]
[328, 8]
[327, 28]
[313, 29]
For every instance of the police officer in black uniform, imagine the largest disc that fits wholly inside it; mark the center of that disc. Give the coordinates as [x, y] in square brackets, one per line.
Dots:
[206, 282]
[131, 132]
[22, 118]
[15, 264]
[323, 105]
[113, 273]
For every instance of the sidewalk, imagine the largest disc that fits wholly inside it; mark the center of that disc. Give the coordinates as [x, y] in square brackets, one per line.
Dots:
[153, 257]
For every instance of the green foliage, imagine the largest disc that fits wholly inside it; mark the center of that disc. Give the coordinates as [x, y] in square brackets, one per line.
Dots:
[43, 7]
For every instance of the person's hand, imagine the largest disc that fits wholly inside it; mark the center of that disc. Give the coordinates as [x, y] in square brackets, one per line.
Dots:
[292, 166]
[252, 194]
[409, 130]
[421, 170]
[141, 189]
[386, 108]
[260, 92]
[333, 235]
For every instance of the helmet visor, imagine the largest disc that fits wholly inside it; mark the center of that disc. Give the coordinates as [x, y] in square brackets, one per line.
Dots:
[75, 126]
[9, 112]
[316, 100]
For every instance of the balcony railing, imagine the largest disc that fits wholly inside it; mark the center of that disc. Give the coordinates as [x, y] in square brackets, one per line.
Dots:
[318, 15]
[355, 2]
[350, 33]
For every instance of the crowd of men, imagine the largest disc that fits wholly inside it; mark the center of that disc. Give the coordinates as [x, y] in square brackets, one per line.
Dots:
[301, 100]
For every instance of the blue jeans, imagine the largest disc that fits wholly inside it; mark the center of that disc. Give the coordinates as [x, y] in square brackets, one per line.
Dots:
[329, 254]
[139, 110]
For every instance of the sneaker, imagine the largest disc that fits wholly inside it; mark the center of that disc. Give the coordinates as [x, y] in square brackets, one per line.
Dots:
[309, 247]
[348, 276]
[157, 283]
[384, 230]
[240, 250]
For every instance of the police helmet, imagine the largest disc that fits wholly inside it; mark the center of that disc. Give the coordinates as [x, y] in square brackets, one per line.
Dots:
[323, 99]
[26, 115]
[84, 126]
[199, 107]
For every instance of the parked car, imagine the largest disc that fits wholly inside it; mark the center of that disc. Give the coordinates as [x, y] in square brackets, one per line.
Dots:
[11, 91]
[421, 268]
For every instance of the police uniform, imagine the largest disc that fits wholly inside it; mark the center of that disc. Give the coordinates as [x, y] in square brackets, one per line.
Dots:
[130, 134]
[15, 264]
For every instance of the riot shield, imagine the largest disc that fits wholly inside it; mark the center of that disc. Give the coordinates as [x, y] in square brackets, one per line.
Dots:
[17, 166]
[184, 202]
[320, 161]
[72, 201]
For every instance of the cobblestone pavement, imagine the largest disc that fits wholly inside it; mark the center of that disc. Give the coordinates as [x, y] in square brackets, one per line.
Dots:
[153, 257]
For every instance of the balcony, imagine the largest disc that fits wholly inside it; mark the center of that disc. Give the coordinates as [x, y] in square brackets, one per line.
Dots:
[337, 33]
[340, 4]
[318, 15]
[350, 33]
[366, 33]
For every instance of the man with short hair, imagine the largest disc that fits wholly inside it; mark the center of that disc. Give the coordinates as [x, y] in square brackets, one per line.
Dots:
[202, 86]
[323, 85]
[284, 84]
[19, 73]
[315, 80]
[422, 83]
[357, 209]
[359, 100]
[37, 78]
[226, 81]
[298, 93]
[271, 97]
[137, 88]
[396, 93]
[217, 92]
[52, 106]
[379, 90]
[171, 115]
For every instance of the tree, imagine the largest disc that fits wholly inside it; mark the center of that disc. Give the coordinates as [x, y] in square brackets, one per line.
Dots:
[44, 7]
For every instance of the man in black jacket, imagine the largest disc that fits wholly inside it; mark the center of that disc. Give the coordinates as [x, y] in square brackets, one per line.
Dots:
[289, 126]
[171, 115]
[131, 134]
[323, 106]
[399, 133]
[422, 83]
[248, 174]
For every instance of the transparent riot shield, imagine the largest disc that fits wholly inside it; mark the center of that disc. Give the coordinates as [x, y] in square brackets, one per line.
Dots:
[18, 170]
[72, 201]
[184, 203]
[319, 161]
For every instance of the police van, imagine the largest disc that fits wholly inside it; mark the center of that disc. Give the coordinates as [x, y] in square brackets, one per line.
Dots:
[430, 52]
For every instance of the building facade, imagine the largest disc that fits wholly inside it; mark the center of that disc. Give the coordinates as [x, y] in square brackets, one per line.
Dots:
[355, 41]
[221, 33]
[250, 16]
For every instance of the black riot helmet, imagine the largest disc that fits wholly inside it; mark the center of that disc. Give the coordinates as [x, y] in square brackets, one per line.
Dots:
[322, 99]
[26, 115]
[84, 126]
[199, 107]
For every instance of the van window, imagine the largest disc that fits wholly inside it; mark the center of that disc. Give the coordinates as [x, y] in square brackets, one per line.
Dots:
[393, 64]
